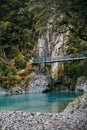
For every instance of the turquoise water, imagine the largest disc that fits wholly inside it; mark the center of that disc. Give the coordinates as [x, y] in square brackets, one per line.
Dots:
[39, 102]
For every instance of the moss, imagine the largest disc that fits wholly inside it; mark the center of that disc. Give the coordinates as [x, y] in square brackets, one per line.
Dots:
[59, 71]
[56, 73]
[76, 100]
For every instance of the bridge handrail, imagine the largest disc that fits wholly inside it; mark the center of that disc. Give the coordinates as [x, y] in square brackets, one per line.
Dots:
[59, 58]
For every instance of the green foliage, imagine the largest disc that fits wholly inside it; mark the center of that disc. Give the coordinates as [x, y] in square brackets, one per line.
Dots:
[9, 82]
[12, 75]
[21, 22]
[20, 63]
[76, 45]
[16, 27]
[72, 14]
[75, 69]
[11, 52]
[2, 66]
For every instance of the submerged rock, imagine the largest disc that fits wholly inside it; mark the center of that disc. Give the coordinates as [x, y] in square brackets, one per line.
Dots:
[81, 84]
[38, 83]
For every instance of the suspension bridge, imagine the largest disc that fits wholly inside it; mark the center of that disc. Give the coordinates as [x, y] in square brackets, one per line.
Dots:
[63, 58]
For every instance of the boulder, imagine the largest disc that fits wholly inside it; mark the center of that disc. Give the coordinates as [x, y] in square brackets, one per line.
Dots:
[38, 83]
[81, 84]
[75, 113]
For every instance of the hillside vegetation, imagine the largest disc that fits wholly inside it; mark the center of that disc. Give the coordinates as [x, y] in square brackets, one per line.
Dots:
[22, 22]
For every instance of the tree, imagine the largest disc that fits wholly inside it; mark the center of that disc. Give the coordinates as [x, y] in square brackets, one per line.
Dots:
[16, 26]
[63, 12]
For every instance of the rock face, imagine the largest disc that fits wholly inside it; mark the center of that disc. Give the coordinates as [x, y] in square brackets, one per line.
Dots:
[75, 113]
[54, 44]
[2, 91]
[38, 83]
[17, 90]
[81, 84]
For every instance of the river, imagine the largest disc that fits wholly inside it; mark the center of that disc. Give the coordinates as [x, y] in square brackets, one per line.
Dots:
[38, 102]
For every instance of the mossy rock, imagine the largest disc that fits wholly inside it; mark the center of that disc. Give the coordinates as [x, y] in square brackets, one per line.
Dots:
[80, 101]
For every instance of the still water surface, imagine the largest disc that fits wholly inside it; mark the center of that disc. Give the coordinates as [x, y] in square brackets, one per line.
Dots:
[39, 102]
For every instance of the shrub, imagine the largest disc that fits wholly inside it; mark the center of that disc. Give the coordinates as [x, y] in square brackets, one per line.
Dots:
[20, 63]
[2, 66]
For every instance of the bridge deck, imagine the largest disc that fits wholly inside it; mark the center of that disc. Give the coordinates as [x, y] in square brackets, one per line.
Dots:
[59, 58]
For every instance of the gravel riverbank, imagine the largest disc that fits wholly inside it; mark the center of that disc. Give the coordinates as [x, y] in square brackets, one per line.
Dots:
[12, 120]
[74, 117]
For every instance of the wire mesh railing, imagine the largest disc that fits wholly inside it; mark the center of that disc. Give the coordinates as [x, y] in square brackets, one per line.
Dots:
[60, 58]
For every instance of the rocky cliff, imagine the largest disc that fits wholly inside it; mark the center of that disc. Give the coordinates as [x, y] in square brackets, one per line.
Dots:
[81, 84]
[38, 83]
[54, 44]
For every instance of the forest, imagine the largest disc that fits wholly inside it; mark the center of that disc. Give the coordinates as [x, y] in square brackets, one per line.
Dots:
[22, 22]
